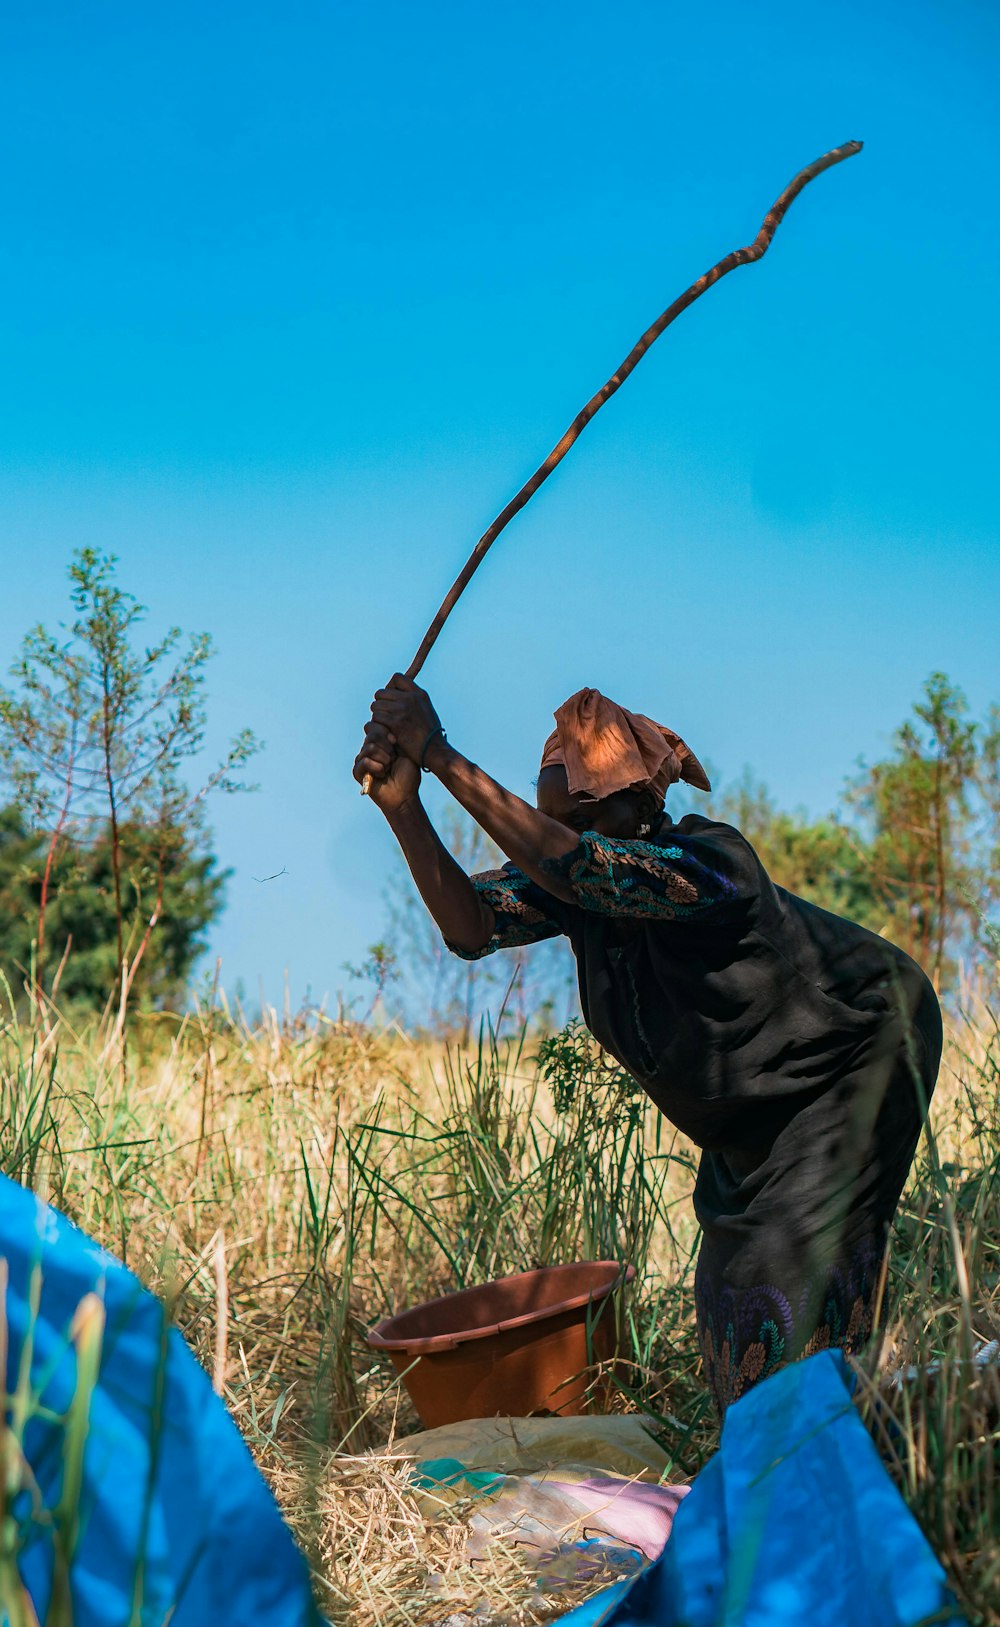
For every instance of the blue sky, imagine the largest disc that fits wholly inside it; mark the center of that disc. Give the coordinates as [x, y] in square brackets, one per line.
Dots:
[295, 297]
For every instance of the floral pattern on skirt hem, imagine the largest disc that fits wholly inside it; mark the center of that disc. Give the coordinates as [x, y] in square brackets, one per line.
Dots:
[746, 1334]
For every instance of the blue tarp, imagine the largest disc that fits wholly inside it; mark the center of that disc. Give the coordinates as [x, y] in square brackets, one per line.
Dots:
[174, 1512]
[794, 1520]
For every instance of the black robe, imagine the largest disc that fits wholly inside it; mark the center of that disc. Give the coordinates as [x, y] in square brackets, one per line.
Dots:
[797, 1049]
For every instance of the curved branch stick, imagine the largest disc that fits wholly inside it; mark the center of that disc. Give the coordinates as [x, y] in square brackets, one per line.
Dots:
[739, 257]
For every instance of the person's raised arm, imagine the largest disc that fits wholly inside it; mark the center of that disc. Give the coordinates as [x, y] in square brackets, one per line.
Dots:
[528, 837]
[464, 918]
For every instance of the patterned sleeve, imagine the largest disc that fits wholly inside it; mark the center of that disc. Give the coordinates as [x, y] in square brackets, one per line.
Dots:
[522, 911]
[673, 881]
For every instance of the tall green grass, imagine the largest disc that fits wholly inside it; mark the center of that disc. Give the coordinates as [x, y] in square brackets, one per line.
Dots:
[287, 1183]
[933, 1410]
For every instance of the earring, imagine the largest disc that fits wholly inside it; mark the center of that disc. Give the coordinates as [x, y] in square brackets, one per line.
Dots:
[644, 830]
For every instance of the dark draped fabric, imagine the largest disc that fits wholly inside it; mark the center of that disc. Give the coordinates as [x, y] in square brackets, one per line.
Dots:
[795, 1048]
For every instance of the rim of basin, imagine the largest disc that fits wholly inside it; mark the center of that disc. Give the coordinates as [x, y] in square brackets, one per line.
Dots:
[381, 1338]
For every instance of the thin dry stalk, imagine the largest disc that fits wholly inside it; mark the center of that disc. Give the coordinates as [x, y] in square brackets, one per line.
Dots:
[221, 1315]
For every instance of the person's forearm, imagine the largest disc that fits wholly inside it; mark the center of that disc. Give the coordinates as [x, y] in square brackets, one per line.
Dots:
[464, 919]
[526, 836]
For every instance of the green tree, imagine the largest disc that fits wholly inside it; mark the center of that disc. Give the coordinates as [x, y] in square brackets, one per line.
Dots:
[95, 737]
[82, 911]
[918, 857]
[930, 812]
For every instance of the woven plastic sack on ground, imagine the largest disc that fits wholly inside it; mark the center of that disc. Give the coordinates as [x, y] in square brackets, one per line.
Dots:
[794, 1520]
[617, 1444]
[582, 1493]
[172, 1518]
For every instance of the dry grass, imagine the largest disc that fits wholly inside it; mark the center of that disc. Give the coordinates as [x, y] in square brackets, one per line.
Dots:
[287, 1183]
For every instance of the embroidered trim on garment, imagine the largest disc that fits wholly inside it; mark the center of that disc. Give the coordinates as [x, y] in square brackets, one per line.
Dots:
[612, 876]
[746, 1334]
[516, 921]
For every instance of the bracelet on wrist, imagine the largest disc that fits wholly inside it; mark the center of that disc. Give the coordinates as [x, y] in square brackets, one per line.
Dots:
[430, 738]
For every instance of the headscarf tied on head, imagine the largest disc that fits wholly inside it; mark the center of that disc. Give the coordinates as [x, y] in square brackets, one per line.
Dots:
[605, 749]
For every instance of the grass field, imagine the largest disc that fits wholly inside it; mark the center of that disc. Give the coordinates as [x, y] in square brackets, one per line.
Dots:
[285, 1184]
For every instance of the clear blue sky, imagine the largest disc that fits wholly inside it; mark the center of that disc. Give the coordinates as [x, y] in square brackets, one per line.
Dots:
[294, 297]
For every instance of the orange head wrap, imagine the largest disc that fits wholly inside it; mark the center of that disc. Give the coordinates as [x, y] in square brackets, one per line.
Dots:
[605, 749]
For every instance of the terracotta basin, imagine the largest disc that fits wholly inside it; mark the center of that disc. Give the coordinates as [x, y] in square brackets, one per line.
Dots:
[511, 1347]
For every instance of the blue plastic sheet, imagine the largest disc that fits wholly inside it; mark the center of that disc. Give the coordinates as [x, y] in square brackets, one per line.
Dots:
[174, 1514]
[794, 1520]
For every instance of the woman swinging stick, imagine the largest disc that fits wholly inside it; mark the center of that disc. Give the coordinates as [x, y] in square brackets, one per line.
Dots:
[796, 1049]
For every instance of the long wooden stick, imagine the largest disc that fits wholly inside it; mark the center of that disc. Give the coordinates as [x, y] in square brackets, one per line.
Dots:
[739, 257]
